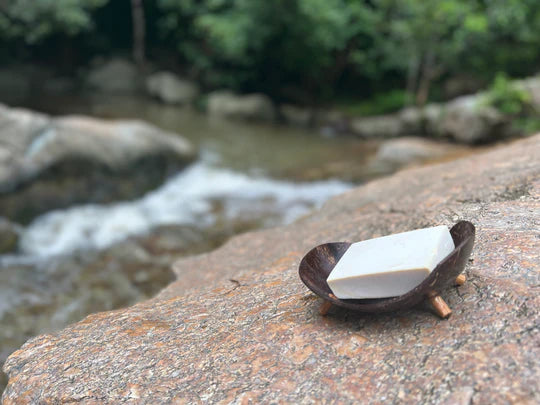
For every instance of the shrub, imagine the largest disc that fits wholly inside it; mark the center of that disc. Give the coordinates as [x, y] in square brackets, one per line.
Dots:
[507, 97]
[382, 103]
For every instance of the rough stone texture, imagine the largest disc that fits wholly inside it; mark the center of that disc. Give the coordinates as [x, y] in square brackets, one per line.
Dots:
[46, 296]
[239, 327]
[45, 162]
[171, 89]
[245, 107]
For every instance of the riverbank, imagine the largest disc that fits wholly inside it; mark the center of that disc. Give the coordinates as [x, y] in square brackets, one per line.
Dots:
[82, 258]
[105, 235]
[74, 255]
[507, 109]
[252, 330]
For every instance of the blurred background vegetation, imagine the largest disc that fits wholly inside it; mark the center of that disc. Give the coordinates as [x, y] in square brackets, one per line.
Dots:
[386, 52]
[94, 211]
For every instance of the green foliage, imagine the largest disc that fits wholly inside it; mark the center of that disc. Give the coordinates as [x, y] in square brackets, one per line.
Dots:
[34, 20]
[527, 125]
[427, 40]
[381, 103]
[306, 51]
[284, 45]
[507, 97]
[276, 44]
[419, 29]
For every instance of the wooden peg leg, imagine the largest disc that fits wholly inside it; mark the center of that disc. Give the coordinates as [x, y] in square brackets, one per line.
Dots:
[325, 307]
[441, 307]
[460, 280]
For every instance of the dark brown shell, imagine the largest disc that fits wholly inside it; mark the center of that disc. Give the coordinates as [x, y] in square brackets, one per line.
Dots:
[319, 262]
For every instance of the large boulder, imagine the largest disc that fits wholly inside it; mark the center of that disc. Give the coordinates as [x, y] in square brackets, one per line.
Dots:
[395, 153]
[296, 115]
[532, 87]
[431, 117]
[239, 327]
[113, 76]
[331, 122]
[382, 126]
[468, 120]
[170, 89]
[48, 163]
[412, 120]
[253, 107]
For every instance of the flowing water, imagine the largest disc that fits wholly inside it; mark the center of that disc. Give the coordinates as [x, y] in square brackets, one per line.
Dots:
[90, 258]
[269, 174]
[189, 198]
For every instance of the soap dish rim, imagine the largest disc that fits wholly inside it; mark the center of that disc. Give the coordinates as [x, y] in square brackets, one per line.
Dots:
[444, 274]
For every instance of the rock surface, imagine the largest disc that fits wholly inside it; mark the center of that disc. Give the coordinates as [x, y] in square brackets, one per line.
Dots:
[465, 120]
[532, 86]
[245, 107]
[114, 76]
[382, 126]
[408, 150]
[295, 115]
[239, 327]
[48, 294]
[171, 89]
[45, 162]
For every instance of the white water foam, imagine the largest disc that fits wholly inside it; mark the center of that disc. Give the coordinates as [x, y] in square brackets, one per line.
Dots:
[187, 198]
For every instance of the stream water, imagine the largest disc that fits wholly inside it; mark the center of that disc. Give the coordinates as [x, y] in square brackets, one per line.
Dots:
[268, 174]
[254, 149]
[90, 258]
[200, 196]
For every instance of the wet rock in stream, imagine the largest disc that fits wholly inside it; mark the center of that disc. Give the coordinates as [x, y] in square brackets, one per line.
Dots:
[49, 163]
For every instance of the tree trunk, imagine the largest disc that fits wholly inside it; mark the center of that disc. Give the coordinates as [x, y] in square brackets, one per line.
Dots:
[422, 92]
[412, 79]
[423, 89]
[139, 33]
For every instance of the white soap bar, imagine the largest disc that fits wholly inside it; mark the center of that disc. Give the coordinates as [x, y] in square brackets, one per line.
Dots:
[391, 265]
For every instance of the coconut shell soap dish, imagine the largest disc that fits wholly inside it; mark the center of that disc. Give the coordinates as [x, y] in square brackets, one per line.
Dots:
[318, 264]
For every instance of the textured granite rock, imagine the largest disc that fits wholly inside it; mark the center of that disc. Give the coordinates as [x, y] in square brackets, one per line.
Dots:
[47, 295]
[239, 327]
